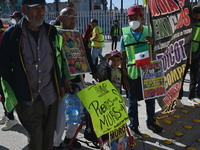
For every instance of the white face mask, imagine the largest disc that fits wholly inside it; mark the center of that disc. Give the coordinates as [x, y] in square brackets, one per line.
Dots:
[13, 21]
[134, 24]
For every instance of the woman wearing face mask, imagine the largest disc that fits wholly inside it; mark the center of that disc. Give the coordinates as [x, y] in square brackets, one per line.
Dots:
[135, 35]
[15, 17]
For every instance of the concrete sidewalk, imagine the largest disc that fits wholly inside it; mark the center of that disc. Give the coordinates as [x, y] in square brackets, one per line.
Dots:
[15, 139]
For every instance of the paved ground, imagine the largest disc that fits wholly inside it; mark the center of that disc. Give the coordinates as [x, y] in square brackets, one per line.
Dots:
[15, 139]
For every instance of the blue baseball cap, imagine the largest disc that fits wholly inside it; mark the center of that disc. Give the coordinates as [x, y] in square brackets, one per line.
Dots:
[33, 3]
[115, 53]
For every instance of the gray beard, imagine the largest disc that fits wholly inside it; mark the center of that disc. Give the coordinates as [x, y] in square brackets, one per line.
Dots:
[34, 24]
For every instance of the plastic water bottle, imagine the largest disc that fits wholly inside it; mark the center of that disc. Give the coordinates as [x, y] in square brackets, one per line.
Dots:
[73, 110]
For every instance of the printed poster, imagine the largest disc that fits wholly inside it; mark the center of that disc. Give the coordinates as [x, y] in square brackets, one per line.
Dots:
[74, 52]
[153, 81]
[118, 138]
[172, 25]
[105, 105]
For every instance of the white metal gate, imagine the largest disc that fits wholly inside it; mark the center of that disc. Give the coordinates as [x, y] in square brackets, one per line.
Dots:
[105, 20]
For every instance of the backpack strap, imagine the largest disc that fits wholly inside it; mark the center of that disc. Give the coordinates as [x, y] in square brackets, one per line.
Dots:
[108, 70]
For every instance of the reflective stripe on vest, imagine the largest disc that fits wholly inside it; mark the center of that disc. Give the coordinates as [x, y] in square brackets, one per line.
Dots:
[130, 41]
[101, 37]
[59, 51]
[196, 37]
[115, 33]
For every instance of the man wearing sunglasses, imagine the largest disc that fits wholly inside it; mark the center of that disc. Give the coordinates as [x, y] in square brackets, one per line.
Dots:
[68, 19]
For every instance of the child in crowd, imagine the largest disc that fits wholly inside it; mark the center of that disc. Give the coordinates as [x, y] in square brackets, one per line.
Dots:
[113, 72]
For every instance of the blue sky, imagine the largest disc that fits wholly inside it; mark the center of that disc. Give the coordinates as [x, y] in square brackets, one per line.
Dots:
[117, 3]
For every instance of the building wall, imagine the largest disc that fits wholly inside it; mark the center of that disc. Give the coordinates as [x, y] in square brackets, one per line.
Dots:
[52, 6]
[8, 8]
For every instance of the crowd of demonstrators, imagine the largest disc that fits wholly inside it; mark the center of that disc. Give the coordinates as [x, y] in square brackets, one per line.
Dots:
[138, 34]
[114, 33]
[195, 62]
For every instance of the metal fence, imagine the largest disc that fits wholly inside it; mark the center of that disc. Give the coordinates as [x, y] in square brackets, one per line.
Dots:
[105, 20]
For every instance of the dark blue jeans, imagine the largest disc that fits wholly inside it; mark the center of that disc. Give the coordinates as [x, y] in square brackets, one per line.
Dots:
[135, 94]
[114, 41]
[10, 115]
[194, 71]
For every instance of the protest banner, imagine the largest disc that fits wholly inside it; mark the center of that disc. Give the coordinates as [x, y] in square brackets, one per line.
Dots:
[105, 105]
[74, 52]
[153, 81]
[172, 24]
[118, 138]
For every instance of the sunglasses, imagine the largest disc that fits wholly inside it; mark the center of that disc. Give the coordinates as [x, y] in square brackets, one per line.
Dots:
[71, 17]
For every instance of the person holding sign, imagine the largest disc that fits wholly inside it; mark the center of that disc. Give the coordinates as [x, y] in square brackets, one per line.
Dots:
[135, 38]
[32, 74]
[68, 19]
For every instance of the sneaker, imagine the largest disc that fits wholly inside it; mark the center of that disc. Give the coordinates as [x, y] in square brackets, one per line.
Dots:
[136, 133]
[193, 102]
[9, 124]
[3, 119]
[179, 104]
[155, 128]
[75, 143]
[60, 147]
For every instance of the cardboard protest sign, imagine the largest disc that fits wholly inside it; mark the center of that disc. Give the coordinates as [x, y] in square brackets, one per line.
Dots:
[74, 52]
[172, 25]
[105, 105]
[153, 81]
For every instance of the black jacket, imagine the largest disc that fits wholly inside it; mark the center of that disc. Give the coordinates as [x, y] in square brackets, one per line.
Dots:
[12, 66]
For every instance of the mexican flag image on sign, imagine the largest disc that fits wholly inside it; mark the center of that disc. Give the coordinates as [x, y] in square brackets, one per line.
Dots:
[142, 55]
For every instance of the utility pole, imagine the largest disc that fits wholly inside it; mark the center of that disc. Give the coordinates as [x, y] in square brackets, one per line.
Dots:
[110, 5]
[122, 13]
[57, 8]
[122, 6]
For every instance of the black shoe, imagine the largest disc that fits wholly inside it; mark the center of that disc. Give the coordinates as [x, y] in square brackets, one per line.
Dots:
[75, 143]
[136, 133]
[59, 147]
[155, 128]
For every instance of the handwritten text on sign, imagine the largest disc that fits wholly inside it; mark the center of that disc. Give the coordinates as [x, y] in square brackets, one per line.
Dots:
[105, 105]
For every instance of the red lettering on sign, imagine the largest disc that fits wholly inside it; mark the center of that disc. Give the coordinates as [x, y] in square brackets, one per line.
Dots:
[166, 101]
